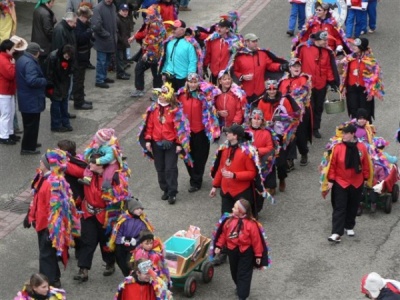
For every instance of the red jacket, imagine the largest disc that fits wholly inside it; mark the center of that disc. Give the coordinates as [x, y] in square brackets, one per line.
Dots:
[193, 109]
[242, 166]
[217, 55]
[8, 84]
[257, 63]
[334, 40]
[93, 198]
[355, 73]
[288, 85]
[249, 236]
[167, 12]
[158, 131]
[262, 140]
[230, 102]
[316, 61]
[346, 177]
[39, 210]
[137, 291]
[268, 108]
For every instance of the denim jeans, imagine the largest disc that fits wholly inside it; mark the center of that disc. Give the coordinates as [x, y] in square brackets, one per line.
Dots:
[184, 3]
[370, 16]
[59, 113]
[358, 17]
[298, 11]
[103, 60]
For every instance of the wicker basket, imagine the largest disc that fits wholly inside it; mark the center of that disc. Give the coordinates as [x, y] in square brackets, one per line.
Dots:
[334, 106]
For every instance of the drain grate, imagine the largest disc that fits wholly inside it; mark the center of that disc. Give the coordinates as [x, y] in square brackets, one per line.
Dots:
[18, 207]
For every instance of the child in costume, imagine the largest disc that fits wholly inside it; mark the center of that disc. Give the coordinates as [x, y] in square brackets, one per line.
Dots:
[143, 284]
[152, 249]
[244, 238]
[126, 232]
[106, 144]
[38, 288]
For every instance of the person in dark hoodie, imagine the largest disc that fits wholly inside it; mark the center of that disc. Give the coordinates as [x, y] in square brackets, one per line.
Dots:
[58, 72]
[125, 27]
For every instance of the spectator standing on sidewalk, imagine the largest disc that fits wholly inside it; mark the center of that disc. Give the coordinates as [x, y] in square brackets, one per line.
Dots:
[31, 85]
[356, 17]
[184, 5]
[125, 27]
[371, 17]
[104, 25]
[297, 13]
[43, 23]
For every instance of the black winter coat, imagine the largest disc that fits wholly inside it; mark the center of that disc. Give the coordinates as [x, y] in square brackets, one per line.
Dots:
[83, 35]
[63, 34]
[58, 74]
[125, 27]
[42, 28]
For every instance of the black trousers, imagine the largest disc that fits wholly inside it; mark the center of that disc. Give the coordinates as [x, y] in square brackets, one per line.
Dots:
[214, 79]
[31, 124]
[281, 163]
[93, 233]
[199, 150]
[317, 102]
[252, 98]
[123, 256]
[78, 86]
[48, 261]
[357, 98]
[140, 68]
[241, 265]
[177, 83]
[345, 202]
[166, 163]
[227, 201]
[302, 133]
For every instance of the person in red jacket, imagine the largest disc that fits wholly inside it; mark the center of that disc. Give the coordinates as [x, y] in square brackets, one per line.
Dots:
[362, 79]
[99, 210]
[197, 98]
[220, 46]
[264, 142]
[240, 234]
[298, 85]
[52, 213]
[166, 133]
[319, 62]
[168, 10]
[324, 21]
[349, 169]
[230, 104]
[251, 65]
[8, 89]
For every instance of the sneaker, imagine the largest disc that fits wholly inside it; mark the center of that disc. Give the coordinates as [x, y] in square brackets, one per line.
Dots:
[110, 269]
[334, 238]
[193, 189]
[102, 85]
[349, 232]
[14, 137]
[304, 160]
[137, 93]
[371, 31]
[290, 33]
[316, 134]
[30, 152]
[82, 276]
[165, 196]
[171, 199]
[362, 32]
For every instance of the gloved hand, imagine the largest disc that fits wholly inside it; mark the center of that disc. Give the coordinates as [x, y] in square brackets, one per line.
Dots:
[26, 221]
[285, 67]
[167, 144]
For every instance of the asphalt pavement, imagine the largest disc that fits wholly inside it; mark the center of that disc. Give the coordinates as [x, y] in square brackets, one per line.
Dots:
[304, 264]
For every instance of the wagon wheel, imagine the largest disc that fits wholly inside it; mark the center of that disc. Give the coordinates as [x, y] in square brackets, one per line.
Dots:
[190, 286]
[395, 193]
[388, 204]
[208, 272]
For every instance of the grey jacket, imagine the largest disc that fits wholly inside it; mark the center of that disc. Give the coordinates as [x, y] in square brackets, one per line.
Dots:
[104, 25]
[42, 27]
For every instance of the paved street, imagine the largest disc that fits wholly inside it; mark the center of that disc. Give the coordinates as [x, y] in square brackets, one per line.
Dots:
[304, 264]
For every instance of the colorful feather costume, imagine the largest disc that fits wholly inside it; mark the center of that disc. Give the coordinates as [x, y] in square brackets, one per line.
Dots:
[369, 129]
[160, 288]
[122, 218]
[265, 260]
[372, 74]
[182, 127]
[54, 294]
[206, 94]
[64, 222]
[301, 95]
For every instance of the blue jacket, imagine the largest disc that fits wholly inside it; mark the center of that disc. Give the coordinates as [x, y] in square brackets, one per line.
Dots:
[31, 85]
[180, 60]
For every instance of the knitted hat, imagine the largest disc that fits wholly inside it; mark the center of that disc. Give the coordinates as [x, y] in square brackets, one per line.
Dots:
[145, 235]
[373, 283]
[132, 204]
[104, 135]
[34, 48]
